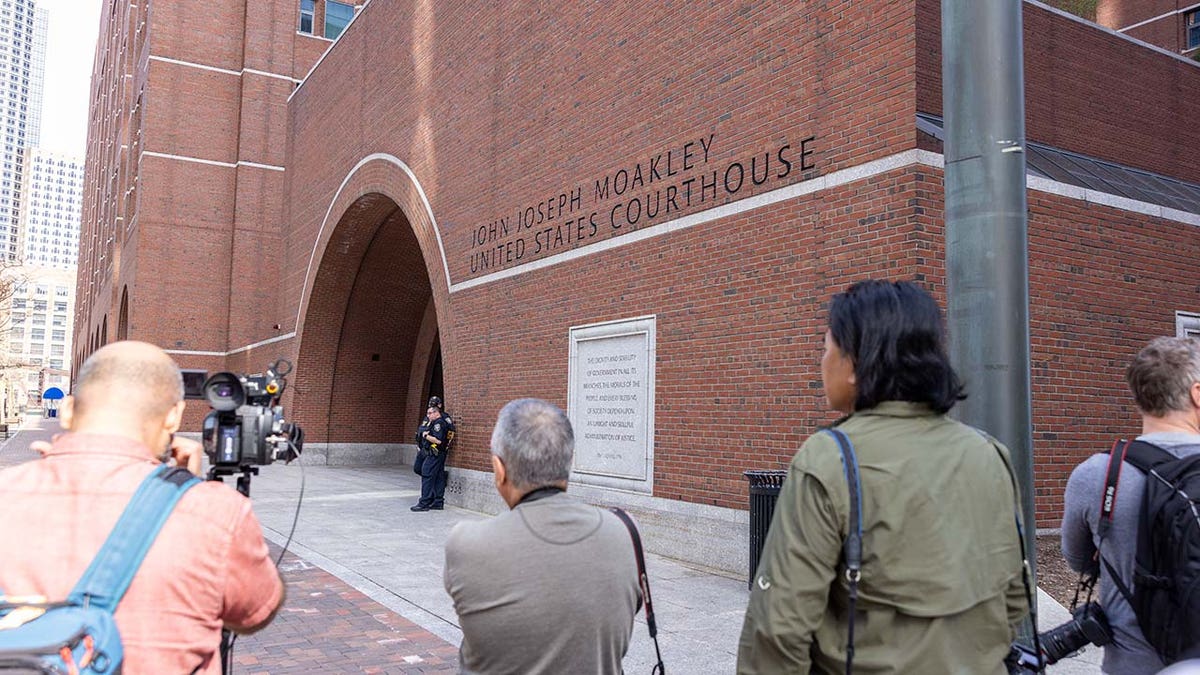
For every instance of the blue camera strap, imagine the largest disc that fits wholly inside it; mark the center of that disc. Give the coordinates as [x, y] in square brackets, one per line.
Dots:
[852, 547]
[112, 570]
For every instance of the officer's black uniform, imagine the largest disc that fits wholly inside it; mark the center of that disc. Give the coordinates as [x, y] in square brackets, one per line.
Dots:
[431, 458]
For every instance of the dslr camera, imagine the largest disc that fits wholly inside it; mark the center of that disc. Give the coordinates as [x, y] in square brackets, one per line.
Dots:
[246, 426]
[1088, 625]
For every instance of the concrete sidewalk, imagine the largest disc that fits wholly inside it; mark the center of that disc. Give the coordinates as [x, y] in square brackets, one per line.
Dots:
[354, 522]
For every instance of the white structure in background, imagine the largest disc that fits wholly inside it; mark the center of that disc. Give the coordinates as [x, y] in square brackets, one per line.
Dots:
[36, 353]
[39, 335]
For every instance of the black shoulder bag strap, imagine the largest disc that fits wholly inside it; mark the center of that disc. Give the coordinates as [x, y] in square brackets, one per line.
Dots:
[1025, 570]
[644, 583]
[852, 547]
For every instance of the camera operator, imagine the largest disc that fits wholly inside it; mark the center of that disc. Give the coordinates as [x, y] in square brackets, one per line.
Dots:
[1165, 381]
[209, 566]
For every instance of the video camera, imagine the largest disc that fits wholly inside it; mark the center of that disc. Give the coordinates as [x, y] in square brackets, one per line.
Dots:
[246, 426]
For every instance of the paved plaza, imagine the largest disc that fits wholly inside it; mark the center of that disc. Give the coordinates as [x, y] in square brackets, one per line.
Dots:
[364, 577]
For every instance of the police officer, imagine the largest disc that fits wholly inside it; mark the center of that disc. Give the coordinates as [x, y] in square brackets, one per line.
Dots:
[422, 444]
[434, 439]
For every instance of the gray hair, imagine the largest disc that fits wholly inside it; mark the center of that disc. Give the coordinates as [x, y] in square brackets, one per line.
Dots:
[535, 441]
[1162, 374]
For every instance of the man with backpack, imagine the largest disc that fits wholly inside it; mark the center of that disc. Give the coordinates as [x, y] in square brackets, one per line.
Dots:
[1115, 510]
[206, 568]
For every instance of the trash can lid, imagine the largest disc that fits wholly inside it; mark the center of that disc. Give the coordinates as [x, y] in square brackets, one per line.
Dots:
[765, 478]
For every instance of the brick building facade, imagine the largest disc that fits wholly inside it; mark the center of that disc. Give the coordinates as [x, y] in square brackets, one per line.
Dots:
[472, 192]
[1173, 25]
[184, 176]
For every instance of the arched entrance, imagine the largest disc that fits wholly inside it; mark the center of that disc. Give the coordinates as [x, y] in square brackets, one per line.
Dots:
[369, 344]
[123, 316]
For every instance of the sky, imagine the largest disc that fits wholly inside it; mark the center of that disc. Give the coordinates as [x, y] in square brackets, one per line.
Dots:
[70, 47]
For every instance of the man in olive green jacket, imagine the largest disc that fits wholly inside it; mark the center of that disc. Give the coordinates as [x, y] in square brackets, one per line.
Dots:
[941, 585]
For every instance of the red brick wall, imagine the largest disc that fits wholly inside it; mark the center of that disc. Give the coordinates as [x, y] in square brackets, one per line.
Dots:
[1103, 282]
[1071, 101]
[739, 301]
[1118, 14]
[484, 111]
[779, 75]
[204, 237]
[1169, 32]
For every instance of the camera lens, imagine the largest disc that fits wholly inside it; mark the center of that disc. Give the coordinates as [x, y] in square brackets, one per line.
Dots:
[1088, 625]
[224, 391]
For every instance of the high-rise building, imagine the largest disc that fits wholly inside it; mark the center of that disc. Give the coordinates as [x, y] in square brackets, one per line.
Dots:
[22, 64]
[50, 210]
[186, 142]
[37, 76]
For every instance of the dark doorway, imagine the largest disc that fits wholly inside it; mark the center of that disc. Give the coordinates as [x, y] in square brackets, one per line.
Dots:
[434, 386]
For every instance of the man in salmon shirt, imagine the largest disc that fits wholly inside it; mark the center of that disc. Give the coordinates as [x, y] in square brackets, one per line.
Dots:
[209, 567]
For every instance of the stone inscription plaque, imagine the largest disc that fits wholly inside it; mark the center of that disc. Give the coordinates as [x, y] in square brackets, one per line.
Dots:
[611, 403]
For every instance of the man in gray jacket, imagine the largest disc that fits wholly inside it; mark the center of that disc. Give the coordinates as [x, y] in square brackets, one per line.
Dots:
[551, 586]
[1165, 380]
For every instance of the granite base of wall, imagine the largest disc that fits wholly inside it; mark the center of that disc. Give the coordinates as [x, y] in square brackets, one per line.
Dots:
[350, 454]
[698, 534]
[359, 454]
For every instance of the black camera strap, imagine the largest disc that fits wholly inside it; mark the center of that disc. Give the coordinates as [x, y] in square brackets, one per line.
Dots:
[644, 583]
[852, 547]
[1108, 505]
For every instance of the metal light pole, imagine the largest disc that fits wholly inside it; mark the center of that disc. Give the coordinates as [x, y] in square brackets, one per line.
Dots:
[987, 250]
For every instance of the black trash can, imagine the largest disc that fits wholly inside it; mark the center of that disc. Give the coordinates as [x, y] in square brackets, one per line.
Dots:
[764, 492]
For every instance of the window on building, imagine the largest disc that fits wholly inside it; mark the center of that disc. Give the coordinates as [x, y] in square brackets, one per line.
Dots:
[37, 334]
[1193, 29]
[337, 15]
[306, 16]
[1187, 324]
[16, 347]
[18, 318]
[39, 319]
[60, 321]
[58, 335]
[39, 305]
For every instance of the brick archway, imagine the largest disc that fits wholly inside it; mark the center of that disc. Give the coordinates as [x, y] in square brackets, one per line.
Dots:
[123, 316]
[367, 323]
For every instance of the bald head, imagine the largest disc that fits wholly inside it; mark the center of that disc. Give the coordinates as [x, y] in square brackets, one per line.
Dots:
[128, 378]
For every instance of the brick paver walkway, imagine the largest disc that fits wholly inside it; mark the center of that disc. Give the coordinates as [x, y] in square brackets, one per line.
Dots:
[325, 626]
